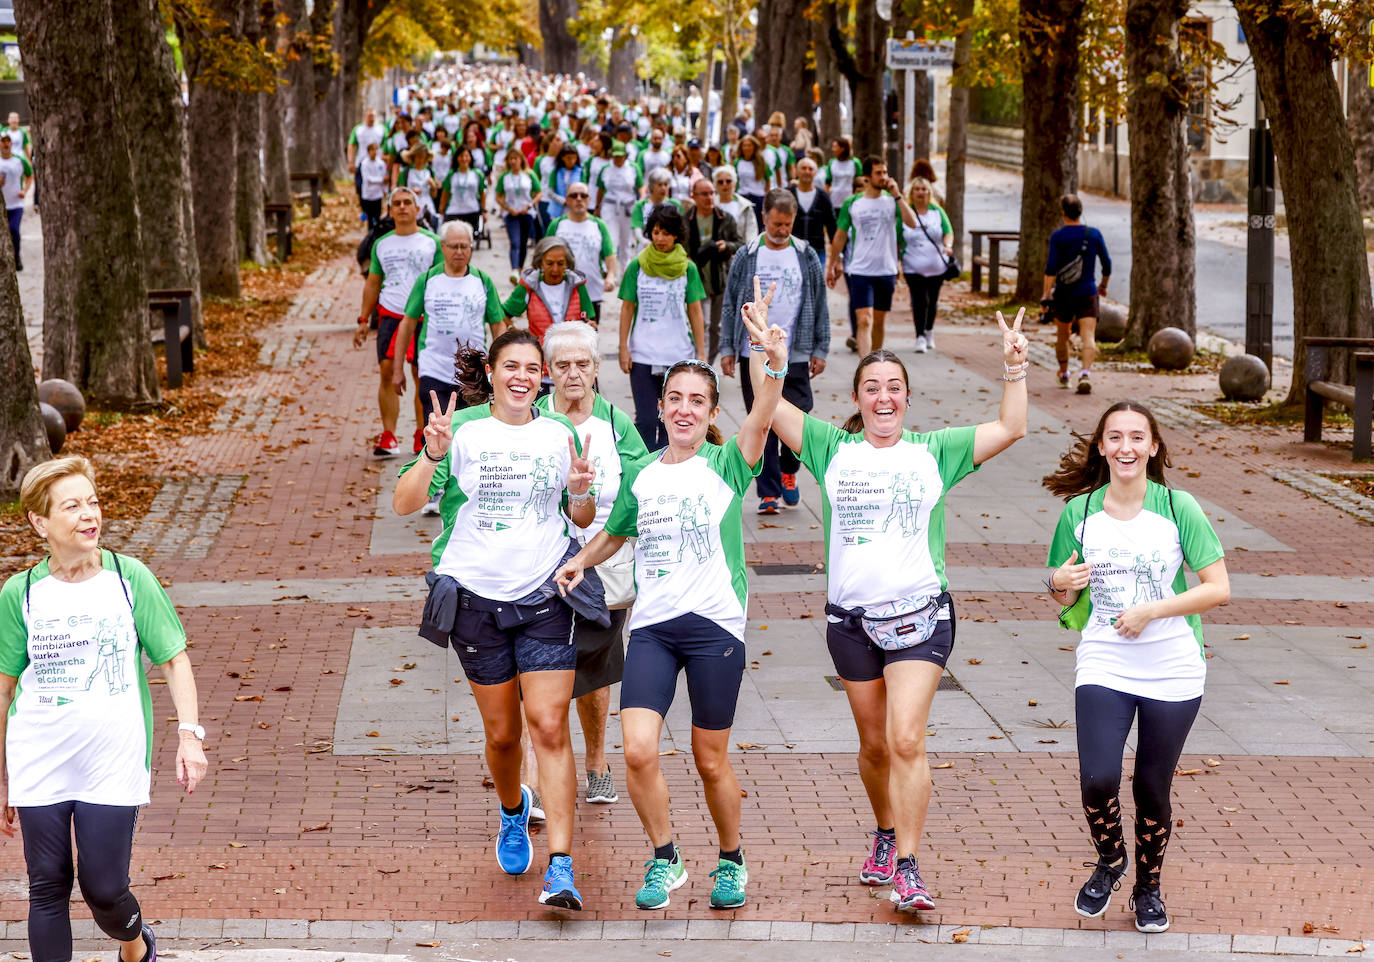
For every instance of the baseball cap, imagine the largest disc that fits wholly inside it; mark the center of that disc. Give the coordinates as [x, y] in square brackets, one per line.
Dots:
[694, 142]
[618, 149]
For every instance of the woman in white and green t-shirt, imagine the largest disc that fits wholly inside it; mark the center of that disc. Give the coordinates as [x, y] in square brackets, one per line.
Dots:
[1118, 556]
[76, 733]
[464, 191]
[510, 478]
[683, 504]
[883, 490]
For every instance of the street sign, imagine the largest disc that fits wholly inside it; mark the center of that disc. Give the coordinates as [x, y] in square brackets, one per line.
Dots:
[918, 54]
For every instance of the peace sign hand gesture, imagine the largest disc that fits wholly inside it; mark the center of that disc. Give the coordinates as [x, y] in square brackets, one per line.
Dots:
[1014, 343]
[770, 337]
[439, 430]
[581, 470]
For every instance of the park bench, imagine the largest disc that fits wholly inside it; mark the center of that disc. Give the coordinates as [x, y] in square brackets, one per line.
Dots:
[316, 179]
[1359, 397]
[174, 306]
[281, 215]
[993, 262]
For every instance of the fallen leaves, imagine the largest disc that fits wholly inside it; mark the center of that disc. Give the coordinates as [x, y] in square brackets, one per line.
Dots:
[943, 765]
[960, 936]
[374, 734]
[748, 746]
[1244, 637]
[322, 827]
[397, 681]
[237, 845]
[1032, 703]
[428, 945]
[1211, 763]
[1284, 682]
[247, 698]
[1187, 771]
[975, 661]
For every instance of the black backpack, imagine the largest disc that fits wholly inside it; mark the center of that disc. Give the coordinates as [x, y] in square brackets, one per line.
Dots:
[384, 225]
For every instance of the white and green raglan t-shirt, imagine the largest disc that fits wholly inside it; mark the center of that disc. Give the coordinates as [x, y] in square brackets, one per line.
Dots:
[884, 509]
[590, 241]
[457, 313]
[874, 227]
[503, 488]
[1134, 562]
[689, 558]
[400, 259]
[660, 333]
[81, 725]
[611, 430]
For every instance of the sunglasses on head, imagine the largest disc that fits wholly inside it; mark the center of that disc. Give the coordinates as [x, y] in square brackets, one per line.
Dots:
[694, 364]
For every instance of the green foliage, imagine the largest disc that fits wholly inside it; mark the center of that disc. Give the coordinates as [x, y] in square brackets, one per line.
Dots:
[409, 30]
[214, 55]
[678, 35]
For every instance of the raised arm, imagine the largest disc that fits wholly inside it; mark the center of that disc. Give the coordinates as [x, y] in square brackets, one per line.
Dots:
[767, 343]
[991, 438]
[412, 488]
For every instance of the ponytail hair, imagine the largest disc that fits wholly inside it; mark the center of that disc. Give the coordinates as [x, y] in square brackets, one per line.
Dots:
[854, 424]
[1083, 468]
[713, 435]
[471, 364]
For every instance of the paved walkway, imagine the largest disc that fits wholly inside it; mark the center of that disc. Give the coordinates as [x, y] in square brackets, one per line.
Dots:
[300, 591]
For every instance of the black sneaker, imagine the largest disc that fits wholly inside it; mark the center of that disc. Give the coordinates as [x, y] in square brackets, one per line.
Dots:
[1149, 910]
[1096, 893]
[150, 941]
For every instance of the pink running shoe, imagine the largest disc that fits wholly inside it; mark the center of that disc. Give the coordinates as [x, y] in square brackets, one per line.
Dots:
[877, 869]
[908, 891]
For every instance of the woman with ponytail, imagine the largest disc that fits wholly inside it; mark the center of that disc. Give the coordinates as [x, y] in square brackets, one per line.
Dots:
[510, 478]
[890, 619]
[684, 504]
[1118, 555]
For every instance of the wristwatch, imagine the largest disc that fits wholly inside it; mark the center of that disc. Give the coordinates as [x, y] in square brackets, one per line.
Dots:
[197, 730]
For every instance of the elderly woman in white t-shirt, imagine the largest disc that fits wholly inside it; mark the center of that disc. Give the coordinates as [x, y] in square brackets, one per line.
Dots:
[76, 740]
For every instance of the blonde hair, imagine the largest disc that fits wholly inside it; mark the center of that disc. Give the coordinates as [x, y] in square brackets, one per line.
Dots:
[920, 182]
[777, 119]
[35, 493]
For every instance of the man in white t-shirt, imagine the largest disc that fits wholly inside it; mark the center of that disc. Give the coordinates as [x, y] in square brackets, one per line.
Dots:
[655, 156]
[589, 239]
[367, 132]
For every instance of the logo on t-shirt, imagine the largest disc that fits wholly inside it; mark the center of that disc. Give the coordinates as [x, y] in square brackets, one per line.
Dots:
[695, 515]
[907, 491]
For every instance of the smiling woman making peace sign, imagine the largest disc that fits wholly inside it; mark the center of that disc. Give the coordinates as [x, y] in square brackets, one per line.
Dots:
[509, 477]
[890, 618]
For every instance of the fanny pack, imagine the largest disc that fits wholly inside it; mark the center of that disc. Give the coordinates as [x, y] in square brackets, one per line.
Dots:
[507, 614]
[905, 623]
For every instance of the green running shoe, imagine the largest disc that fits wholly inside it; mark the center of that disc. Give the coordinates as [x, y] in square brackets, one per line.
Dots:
[661, 878]
[728, 892]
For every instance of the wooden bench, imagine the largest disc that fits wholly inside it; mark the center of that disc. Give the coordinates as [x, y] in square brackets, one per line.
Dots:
[993, 262]
[174, 305]
[281, 215]
[1359, 397]
[316, 178]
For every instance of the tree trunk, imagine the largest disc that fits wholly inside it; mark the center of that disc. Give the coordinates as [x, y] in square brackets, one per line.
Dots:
[23, 439]
[621, 70]
[1331, 294]
[708, 77]
[251, 221]
[956, 162]
[275, 165]
[734, 67]
[827, 75]
[95, 307]
[864, 71]
[560, 46]
[1163, 261]
[780, 73]
[150, 89]
[1360, 110]
[300, 89]
[326, 19]
[1050, 31]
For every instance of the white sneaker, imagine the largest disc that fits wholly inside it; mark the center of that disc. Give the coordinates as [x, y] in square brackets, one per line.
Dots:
[431, 507]
[930, 341]
[920, 343]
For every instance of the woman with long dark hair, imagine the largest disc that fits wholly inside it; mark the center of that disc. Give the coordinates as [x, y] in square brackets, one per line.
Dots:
[1118, 555]
[890, 618]
[509, 478]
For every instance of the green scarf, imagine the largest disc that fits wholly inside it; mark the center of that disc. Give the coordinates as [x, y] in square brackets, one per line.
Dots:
[669, 266]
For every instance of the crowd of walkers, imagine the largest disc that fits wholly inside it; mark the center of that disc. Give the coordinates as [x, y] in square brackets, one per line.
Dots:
[619, 534]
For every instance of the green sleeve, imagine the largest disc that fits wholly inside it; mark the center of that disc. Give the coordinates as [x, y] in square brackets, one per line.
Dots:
[629, 284]
[842, 221]
[160, 633]
[501, 185]
[637, 214]
[584, 300]
[600, 177]
[728, 462]
[858, 167]
[897, 225]
[639, 179]
[444, 188]
[953, 451]
[945, 226]
[517, 303]
[14, 633]
[353, 137]
[1066, 533]
[535, 185]
[820, 441]
[495, 313]
[623, 521]
[607, 245]
[375, 266]
[481, 184]
[695, 290]
[553, 228]
[415, 303]
[1199, 540]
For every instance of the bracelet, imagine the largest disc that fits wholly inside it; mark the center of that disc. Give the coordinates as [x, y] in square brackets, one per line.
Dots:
[756, 346]
[582, 498]
[776, 375]
[1049, 584]
[1013, 380]
[1015, 368]
[429, 457]
[362, 320]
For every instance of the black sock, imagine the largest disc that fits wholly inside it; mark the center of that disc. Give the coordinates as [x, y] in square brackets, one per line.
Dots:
[513, 811]
[737, 856]
[665, 852]
[554, 855]
[889, 832]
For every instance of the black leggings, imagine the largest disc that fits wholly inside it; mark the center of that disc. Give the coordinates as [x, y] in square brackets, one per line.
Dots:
[925, 300]
[104, 841]
[1104, 719]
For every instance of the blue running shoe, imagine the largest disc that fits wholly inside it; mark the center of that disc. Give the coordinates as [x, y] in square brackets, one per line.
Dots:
[790, 495]
[150, 944]
[559, 890]
[513, 849]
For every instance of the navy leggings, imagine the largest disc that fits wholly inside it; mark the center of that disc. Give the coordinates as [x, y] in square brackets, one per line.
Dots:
[646, 388]
[104, 842]
[520, 229]
[1104, 718]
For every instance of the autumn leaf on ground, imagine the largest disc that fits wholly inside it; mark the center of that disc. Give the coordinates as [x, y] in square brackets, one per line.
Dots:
[960, 936]
[669, 751]
[747, 746]
[943, 765]
[236, 845]
[1308, 928]
[975, 661]
[1187, 771]
[1211, 762]
[316, 828]
[1032, 703]
[247, 698]
[1244, 637]
[397, 681]
[1284, 682]
[374, 734]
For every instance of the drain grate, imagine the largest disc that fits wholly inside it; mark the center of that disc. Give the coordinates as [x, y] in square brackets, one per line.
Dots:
[785, 569]
[947, 683]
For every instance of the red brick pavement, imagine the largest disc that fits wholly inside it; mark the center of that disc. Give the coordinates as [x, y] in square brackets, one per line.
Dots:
[1263, 844]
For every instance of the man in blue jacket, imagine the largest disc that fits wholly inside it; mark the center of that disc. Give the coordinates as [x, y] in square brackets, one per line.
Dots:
[799, 308]
[1071, 292]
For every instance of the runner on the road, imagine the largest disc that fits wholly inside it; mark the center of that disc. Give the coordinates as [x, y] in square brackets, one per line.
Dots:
[1071, 293]
[890, 618]
[512, 633]
[398, 258]
[1137, 660]
[684, 506]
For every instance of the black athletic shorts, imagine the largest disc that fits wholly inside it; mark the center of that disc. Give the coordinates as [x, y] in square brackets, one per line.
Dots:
[856, 658]
[714, 661]
[600, 653]
[1071, 308]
